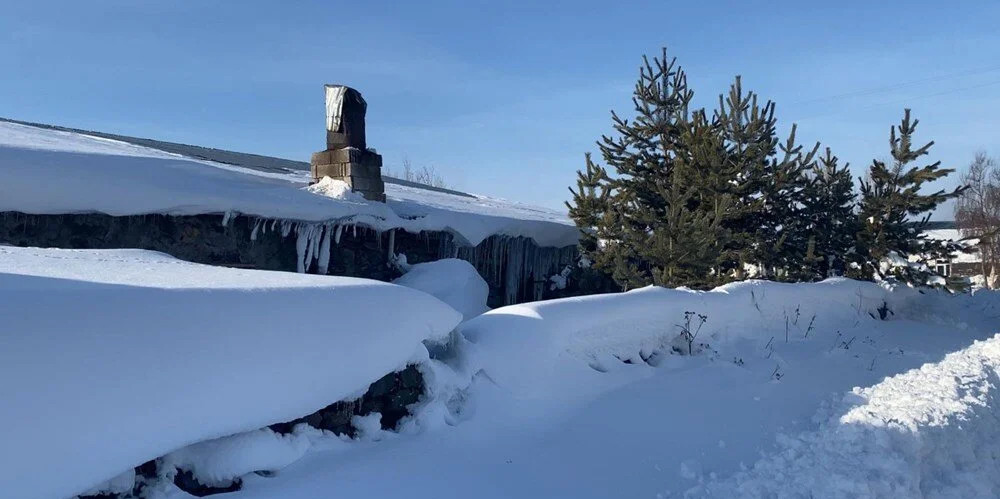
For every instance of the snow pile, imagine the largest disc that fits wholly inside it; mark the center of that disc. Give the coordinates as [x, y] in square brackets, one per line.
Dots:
[217, 462]
[45, 171]
[111, 358]
[595, 397]
[335, 189]
[558, 342]
[453, 281]
[930, 432]
[650, 393]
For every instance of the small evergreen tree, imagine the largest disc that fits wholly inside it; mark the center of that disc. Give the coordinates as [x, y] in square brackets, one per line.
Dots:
[590, 203]
[888, 236]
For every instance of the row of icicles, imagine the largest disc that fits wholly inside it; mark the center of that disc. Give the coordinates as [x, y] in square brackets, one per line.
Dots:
[313, 239]
[511, 261]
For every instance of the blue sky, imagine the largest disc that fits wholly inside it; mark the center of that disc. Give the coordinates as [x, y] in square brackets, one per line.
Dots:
[502, 98]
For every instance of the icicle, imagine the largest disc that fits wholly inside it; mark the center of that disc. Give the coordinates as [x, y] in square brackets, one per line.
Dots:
[315, 231]
[337, 235]
[324, 252]
[256, 227]
[227, 217]
[392, 244]
[300, 250]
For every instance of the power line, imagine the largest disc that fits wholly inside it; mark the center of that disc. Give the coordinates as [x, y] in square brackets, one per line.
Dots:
[903, 101]
[897, 86]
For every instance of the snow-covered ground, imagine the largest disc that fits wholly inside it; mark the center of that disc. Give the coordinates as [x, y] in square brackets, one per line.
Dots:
[45, 171]
[111, 358]
[594, 397]
[832, 389]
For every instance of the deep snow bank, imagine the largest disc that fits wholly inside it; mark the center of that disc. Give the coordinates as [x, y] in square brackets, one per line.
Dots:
[587, 398]
[453, 281]
[930, 432]
[44, 171]
[558, 342]
[112, 358]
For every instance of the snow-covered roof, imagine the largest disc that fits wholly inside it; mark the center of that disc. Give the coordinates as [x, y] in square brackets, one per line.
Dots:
[45, 170]
[956, 235]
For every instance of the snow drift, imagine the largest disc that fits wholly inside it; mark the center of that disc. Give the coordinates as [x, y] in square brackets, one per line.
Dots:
[566, 339]
[595, 397]
[453, 281]
[930, 432]
[111, 358]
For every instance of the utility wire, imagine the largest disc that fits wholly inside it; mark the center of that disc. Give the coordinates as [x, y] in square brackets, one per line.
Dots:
[903, 101]
[896, 86]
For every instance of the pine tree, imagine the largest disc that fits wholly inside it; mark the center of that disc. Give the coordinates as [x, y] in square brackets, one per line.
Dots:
[783, 237]
[590, 203]
[829, 220]
[704, 193]
[657, 223]
[769, 189]
[748, 130]
[888, 237]
[697, 201]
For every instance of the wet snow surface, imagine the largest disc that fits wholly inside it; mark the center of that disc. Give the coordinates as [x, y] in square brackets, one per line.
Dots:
[45, 171]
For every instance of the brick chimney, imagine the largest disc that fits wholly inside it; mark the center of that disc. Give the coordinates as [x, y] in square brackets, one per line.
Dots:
[346, 156]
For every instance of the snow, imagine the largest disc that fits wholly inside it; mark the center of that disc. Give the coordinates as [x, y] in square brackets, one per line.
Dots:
[956, 235]
[478, 217]
[110, 358]
[45, 171]
[831, 389]
[583, 397]
[335, 189]
[217, 462]
[453, 281]
[932, 431]
[120, 484]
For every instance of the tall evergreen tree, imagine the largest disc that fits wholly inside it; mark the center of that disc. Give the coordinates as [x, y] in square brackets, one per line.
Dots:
[705, 185]
[748, 130]
[828, 217]
[890, 197]
[688, 200]
[657, 224]
[769, 188]
[783, 239]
